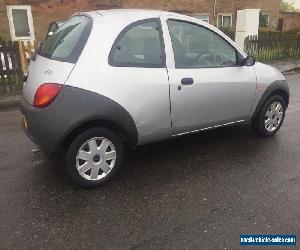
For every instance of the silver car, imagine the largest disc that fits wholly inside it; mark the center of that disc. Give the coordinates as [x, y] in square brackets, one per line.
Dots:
[112, 79]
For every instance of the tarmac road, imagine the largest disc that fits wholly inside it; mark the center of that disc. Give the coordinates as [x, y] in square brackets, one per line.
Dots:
[196, 192]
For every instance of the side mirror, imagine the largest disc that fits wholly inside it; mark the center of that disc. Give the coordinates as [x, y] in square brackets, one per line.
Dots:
[249, 61]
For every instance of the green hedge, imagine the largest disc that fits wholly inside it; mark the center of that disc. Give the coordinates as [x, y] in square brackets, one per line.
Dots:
[270, 45]
[229, 32]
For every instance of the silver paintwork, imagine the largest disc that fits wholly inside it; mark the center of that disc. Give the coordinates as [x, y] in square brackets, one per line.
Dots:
[219, 95]
[273, 116]
[216, 97]
[96, 158]
[208, 128]
[44, 70]
[265, 75]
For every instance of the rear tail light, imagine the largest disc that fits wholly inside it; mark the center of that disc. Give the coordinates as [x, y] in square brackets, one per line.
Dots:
[45, 94]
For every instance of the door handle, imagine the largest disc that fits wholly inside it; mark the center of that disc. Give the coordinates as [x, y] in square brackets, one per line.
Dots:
[187, 81]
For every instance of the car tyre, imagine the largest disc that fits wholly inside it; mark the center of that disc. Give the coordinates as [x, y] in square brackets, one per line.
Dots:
[94, 157]
[270, 117]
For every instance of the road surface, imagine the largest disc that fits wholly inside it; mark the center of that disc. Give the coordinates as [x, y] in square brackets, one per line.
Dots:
[196, 192]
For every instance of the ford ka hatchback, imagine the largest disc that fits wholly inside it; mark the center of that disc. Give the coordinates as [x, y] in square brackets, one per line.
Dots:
[112, 79]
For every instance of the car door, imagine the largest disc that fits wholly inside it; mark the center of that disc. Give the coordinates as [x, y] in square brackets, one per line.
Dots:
[208, 87]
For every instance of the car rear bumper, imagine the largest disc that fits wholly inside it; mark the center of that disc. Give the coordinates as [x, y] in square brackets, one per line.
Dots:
[39, 126]
[73, 109]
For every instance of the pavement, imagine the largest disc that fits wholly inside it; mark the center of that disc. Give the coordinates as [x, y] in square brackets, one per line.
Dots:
[8, 102]
[289, 65]
[195, 192]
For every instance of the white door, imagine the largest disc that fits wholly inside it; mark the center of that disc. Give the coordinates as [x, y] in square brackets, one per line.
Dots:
[20, 22]
[208, 86]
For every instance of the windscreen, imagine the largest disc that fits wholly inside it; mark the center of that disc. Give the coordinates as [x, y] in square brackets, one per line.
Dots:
[68, 41]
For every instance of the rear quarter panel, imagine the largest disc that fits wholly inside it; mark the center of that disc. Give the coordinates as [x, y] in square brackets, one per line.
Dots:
[44, 70]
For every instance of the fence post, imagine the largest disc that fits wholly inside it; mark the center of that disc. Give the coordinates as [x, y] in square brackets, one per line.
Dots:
[22, 56]
[18, 60]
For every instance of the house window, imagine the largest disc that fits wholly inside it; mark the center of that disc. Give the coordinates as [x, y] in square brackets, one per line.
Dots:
[20, 22]
[202, 17]
[224, 20]
[264, 20]
[267, 18]
[280, 24]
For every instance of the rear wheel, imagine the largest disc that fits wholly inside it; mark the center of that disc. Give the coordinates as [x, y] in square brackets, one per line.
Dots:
[271, 116]
[94, 157]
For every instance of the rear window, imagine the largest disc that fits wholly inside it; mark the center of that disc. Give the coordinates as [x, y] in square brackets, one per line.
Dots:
[68, 41]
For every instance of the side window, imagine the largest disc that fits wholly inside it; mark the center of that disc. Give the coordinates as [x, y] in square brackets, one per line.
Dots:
[139, 45]
[197, 47]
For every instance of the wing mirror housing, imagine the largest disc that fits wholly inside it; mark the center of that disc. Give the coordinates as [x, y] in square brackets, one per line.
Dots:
[249, 61]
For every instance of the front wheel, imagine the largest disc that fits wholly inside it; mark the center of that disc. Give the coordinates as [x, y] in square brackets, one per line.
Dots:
[94, 157]
[270, 118]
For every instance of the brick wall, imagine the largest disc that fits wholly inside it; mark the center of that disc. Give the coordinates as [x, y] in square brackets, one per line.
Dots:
[270, 7]
[46, 11]
[291, 21]
[4, 28]
[185, 6]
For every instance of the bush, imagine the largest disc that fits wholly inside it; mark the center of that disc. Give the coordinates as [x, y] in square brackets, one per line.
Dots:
[229, 32]
[270, 45]
[276, 33]
[2, 40]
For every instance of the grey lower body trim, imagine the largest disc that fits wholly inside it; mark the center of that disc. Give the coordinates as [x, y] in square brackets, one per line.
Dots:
[73, 108]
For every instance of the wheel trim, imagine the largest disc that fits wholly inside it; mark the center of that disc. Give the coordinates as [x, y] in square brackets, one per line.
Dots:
[273, 116]
[96, 158]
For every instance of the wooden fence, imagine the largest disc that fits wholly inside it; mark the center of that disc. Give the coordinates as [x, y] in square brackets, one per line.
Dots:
[26, 49]
[273, 45]
[14, 61]
[10, 66]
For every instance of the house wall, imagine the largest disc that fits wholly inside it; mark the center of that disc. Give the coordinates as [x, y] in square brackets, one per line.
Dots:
[4, 28]
[291, 21]
[46, 11]
[182, 6]
[270, 7]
